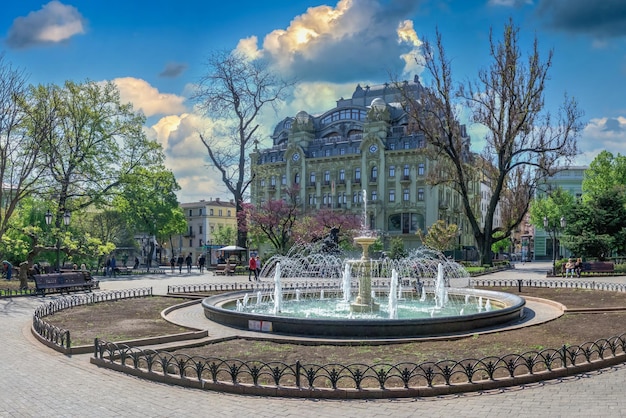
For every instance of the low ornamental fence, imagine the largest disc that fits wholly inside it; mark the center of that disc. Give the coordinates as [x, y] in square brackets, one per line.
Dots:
[549, 282]
[359, 380]
[59, 338]
[269, 286]
[9, 293]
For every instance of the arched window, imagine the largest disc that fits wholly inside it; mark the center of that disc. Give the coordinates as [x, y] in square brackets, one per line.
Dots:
[374, 174]
[296, 178]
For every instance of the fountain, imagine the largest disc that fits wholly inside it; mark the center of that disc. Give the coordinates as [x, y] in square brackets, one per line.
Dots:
[416, 312]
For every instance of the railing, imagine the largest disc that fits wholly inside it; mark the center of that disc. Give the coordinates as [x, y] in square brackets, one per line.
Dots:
[59, 338]
[549, 282]
[333, 380]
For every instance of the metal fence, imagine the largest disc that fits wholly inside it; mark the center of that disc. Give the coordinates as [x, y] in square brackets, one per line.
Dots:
[60, 338]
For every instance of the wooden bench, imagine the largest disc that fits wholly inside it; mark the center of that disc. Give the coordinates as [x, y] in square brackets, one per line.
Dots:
[592, 267]
[220, 269]
[598, 267]
[52, 282]
[123, 270]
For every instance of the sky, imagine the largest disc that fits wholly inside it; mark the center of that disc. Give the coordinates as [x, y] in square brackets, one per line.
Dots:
[156, 53]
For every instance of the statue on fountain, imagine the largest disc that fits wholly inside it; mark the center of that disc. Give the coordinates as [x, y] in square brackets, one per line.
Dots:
[331, 242]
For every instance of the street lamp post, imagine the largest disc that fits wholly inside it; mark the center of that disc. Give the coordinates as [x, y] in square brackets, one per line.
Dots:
[555, 230]
[66, 222]
[460, 248]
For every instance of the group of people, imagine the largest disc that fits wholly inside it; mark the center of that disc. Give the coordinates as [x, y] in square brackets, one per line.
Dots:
[188, 261]
[573, 267]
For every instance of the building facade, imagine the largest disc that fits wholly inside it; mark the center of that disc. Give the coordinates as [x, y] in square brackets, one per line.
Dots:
[570, 180]
[357, 157]
[204, 219]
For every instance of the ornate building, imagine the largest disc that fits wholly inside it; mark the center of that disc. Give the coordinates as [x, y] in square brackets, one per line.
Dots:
[361, 149]
[204, 219]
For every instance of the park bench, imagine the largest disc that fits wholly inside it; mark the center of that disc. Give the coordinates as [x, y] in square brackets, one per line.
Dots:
[220, 269]
[53, 282]
[123, 270]
[595, 267]
[598, 267]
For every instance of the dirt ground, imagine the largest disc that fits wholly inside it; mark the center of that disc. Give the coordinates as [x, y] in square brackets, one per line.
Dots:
[136, 318]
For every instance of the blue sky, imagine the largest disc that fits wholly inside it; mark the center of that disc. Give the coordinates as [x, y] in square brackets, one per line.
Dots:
[155, 52]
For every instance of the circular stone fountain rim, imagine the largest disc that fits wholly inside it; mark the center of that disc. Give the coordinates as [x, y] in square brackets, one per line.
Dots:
[387, 328]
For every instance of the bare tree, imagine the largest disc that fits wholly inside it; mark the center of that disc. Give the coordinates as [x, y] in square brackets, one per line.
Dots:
[233, 93]
[524, 144]
[20, 166]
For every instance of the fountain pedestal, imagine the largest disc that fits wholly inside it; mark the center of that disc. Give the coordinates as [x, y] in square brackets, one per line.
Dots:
[364, 302]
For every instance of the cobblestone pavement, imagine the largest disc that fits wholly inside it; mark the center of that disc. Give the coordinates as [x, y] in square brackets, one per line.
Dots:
[37, 381]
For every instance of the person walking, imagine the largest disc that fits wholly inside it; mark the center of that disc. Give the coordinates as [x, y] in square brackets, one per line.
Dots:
[113, 266]
[257, 261]
[201, 263]
[189, 261]
[173, 263]
[252, 269]
[180, 262]
[8, 269]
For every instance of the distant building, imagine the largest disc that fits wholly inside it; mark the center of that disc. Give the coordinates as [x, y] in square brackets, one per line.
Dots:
[204, 219]
[571, 180]
[361, 149]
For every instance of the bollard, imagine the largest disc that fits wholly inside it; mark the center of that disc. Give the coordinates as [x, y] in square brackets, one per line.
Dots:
[519, 285]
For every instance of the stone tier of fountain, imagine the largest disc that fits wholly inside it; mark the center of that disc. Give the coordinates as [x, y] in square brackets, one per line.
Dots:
[363, 301]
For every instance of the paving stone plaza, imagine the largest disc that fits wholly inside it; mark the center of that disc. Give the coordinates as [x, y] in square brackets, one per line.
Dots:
[37, 381]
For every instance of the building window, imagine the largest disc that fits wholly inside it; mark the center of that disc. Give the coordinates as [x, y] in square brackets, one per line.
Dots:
[420, 194]
[191, 243]
[342, 151]
[392, 195]
[312, 179]
[219, 212]
[420, 169]
[392, 171]
[374, 195]
[228, 213]
[405, 223]
[296, 178]
[357, 175]
[407, 171]
[200, 212]
[283, 180]
[327, 152]
[200, 230]
[406, 144]
[190, 230]
[405, 195]
[211, 212]
[327, 177]
[342, 176]
[372, 221]
[262, 182]
[374, 174]
[273, 181]
[190, 213]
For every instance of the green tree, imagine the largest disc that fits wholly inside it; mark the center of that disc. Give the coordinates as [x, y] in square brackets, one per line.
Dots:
[92, 142]
[604, 174]
[524, 143]
[440, 236]
[396, 248]
[225, 235]
[148, 203]
[597, 227]
[21, 135]
[233, 93]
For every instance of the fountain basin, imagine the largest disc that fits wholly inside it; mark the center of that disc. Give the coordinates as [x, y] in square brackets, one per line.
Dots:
[508, 309]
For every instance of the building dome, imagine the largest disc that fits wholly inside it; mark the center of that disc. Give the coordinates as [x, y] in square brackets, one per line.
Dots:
[302, 116]
[378, 104]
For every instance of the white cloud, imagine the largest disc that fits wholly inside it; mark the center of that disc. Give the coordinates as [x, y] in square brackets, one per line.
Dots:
[328, 43]
[53, 23]
[602, 134]
[148, 99]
